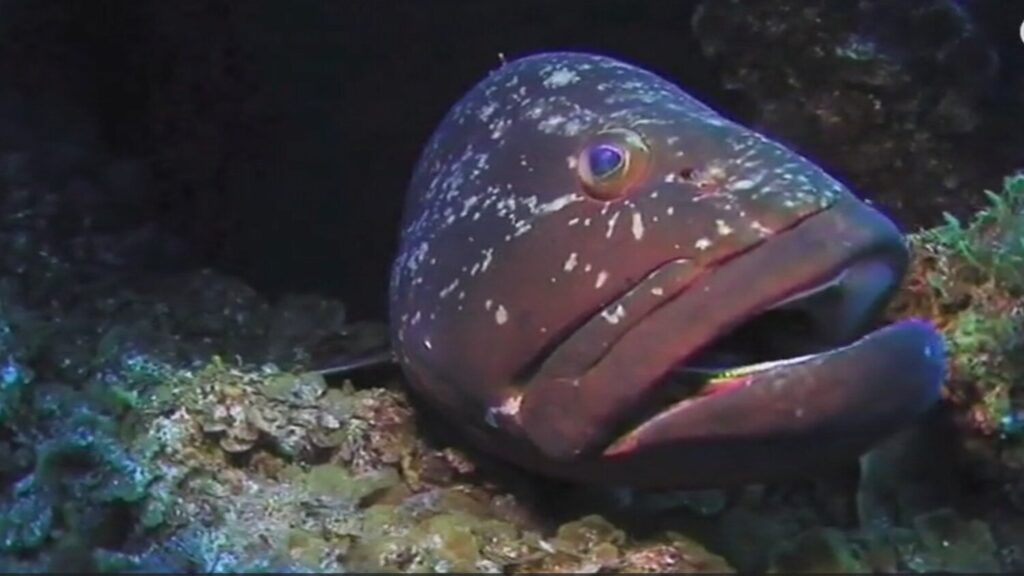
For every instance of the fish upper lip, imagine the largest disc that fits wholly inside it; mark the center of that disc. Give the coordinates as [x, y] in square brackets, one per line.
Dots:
[586, 349]
[832, 332]
[879, 251]
[611, 391]
[795, 295]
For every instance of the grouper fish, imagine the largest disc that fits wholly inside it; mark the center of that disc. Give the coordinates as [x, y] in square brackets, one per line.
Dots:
[601, 279]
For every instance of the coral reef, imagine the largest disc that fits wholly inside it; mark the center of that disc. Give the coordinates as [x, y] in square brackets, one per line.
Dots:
[968, 279]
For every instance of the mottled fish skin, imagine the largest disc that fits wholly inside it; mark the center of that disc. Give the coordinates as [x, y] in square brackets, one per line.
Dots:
[495, 209]
[502, 253]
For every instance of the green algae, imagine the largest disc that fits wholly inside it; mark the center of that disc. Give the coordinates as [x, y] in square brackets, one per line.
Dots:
[969, 279]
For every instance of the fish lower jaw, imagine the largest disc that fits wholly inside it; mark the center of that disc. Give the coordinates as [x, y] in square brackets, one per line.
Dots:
[835, 392]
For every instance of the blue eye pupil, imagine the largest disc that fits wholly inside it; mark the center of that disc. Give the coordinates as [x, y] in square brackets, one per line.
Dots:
[604, 160]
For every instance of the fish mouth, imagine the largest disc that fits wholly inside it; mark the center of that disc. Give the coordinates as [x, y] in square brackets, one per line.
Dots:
[811, 326]
[782, 342]
[824, 319]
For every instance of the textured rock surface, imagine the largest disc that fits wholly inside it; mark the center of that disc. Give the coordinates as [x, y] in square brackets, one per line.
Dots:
[904, 102]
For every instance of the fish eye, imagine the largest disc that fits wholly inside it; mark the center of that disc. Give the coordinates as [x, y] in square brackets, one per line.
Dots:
[605, 160]
[612, 163]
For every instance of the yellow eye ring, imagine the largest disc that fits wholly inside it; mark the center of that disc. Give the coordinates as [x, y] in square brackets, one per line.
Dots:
[613, 161]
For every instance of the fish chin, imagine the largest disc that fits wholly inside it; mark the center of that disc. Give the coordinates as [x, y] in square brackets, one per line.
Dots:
[863, 390]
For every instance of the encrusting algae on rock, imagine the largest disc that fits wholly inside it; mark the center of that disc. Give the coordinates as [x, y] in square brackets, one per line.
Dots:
[969, 279]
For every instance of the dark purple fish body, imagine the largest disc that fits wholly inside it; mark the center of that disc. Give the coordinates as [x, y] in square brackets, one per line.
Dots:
[577, 228]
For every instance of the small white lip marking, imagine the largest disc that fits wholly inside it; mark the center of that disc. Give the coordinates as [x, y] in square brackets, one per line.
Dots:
[510, 407]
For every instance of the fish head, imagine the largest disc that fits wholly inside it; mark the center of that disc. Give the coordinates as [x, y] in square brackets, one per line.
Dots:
[579, 230]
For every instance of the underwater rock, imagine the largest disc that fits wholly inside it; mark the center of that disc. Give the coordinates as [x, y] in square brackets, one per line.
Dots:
[890, 98]
[949, 543]
[819, 551]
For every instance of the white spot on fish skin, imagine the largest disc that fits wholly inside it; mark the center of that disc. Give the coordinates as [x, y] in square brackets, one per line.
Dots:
[427, 344]
[468, 204]
[449, 289]
[510, 407]
[657, 291]
[573, 127]
[571, 162]
[561, 77]
[670, 210]
[488, 304]
[570, 262]
[587, 268]
[615, 315]
[702, 244]
[486, 110]
[602, 277]
[416, 257]
[638, 225]
[551, 123]
[611, 224]
[488, 254]
[557, 204]
[722, 228]
[501, 315]
[744, 184]
[761, 229]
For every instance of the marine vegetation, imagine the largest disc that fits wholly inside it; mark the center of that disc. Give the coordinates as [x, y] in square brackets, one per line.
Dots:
[969, 278]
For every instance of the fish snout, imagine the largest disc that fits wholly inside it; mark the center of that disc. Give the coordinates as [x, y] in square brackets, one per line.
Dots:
[852, 303]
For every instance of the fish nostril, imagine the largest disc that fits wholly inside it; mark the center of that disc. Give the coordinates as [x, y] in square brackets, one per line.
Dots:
[687, 173]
